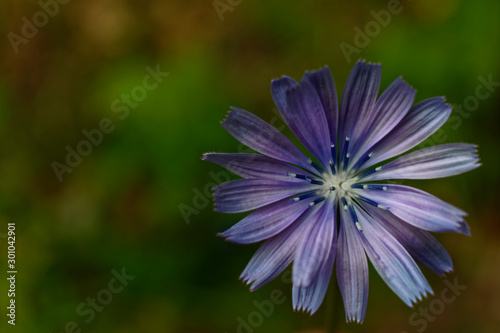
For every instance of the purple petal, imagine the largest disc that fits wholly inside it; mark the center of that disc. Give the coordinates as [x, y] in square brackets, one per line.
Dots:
[422, 246]
[267, 221]
[322, 80]
[256, 166]
[242, 195]
[310, 298]
[263, 138]
[276, 253]
[420, 122]
[416, 207]
[394, 264]
[272, 257]
[390, 108]
[433, 162]
[304, 115]
[279, 88]
[352, 269]
[315, 245]
[358, 99]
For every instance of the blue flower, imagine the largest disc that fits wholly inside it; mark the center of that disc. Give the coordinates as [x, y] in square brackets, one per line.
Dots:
[333, 205]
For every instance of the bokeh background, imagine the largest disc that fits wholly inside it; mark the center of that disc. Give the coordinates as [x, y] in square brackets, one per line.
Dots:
[121, 206]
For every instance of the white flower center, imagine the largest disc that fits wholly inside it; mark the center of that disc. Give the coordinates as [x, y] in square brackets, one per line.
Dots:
[340, 182]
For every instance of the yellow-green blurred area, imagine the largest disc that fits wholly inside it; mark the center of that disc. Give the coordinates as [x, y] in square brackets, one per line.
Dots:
[139, 201]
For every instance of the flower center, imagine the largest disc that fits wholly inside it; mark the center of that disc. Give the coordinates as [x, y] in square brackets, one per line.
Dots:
[340, 183]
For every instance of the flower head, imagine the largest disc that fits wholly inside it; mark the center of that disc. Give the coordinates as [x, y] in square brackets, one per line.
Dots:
[337, 208]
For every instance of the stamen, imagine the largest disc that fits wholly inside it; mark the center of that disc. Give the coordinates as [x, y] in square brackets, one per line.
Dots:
[375, 187]
[303, 178]
[306, 178]
[364, 160]
[353, 213]
[304, 196]
[316, 182]
[332, 167]
[369, 187]
[317, 201]
[369, 172]
[345, 153]
[344, 201]
[373, 203]
[355, 217]
[334, 152]
[315, 166]
[361, 186]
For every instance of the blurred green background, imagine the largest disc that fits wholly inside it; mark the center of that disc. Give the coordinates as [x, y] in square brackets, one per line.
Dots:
[121, 206]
